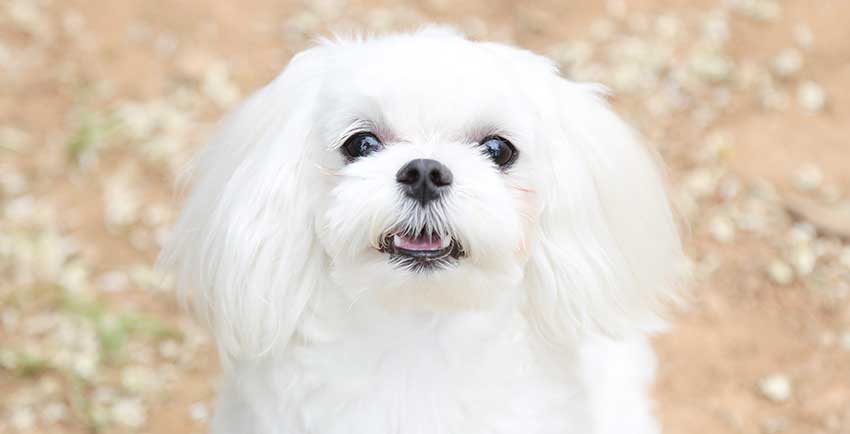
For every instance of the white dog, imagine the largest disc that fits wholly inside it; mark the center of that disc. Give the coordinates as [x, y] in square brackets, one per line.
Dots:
[419, 233]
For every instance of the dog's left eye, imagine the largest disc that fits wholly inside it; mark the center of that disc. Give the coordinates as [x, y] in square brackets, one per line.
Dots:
[500, 150]
[361, 145]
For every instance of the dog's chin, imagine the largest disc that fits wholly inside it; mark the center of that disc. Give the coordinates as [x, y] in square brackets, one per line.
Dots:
[421, 252]
[425, 274]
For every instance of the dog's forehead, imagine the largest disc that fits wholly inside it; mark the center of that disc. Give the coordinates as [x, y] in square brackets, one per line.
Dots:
[421, 59]
[415, 83]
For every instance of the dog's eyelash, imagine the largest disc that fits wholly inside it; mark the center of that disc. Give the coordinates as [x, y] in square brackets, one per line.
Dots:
[478, 134]
[349, 133]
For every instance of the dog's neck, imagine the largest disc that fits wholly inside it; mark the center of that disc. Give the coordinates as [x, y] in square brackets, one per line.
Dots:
[367, 316]
[334, 324]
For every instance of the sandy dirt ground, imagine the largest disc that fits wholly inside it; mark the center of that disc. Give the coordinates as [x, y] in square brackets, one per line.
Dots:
[102, 103]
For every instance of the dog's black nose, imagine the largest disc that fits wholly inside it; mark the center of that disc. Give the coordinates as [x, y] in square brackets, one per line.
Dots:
[424, 179]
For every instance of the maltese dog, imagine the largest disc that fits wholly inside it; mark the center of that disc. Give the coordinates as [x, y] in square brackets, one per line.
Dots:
[419, 233]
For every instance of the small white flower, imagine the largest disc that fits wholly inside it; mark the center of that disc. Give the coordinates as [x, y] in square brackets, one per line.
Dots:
[156, 215]
[21, 209]
[138, 379]
[722, 229]
[844, 257]
[761, 10]
[715, 28]
[122, 202]
[199, 412]
[844, 340]
[113, 281]
[129, 412]
[12, 182]
[23, 419]
[804, 260]
[780, 272]
[802, 233]
[85, 365]
[14, 139]
[787, 63]
[218, 86]
[701, 183]
[811, 96]
[711, 66]
[808, 177]
[777, 387]
[74, 278]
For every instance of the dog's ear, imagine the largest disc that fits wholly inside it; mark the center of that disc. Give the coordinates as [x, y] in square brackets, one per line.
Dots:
[607, 256]
[244, 249]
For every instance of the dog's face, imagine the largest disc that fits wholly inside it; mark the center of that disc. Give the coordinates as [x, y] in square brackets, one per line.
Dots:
[428, 156]
[425, 172]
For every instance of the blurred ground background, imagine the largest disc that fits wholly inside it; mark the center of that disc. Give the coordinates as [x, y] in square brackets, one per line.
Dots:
[102, 102]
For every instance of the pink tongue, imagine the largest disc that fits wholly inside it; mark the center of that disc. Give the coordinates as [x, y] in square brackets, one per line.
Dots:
[432, 242]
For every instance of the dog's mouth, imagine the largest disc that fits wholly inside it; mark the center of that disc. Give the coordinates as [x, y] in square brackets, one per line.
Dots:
[423, 251]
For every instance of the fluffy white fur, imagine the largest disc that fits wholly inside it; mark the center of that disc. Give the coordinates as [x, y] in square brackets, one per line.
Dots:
[570, 254]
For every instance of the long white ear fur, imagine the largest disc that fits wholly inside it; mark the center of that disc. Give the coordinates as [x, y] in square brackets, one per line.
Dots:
[244, 249]
[608, 256]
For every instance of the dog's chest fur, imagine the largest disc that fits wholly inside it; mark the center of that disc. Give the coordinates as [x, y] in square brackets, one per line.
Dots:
[464, 374]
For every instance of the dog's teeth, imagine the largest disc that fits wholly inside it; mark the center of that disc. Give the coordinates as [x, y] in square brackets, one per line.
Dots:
[396, 240]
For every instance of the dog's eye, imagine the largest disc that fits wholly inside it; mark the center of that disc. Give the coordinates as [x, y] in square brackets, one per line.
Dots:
[500, 150]
[361, 145]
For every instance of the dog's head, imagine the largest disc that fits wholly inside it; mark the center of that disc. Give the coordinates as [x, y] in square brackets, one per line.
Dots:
[425, 172]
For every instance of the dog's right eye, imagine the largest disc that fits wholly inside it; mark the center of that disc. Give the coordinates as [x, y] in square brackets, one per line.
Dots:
[500, 150]
[361, 145]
